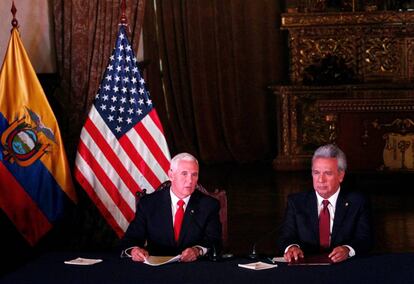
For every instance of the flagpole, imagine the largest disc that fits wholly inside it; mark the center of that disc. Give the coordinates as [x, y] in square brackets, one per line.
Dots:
[14, 22]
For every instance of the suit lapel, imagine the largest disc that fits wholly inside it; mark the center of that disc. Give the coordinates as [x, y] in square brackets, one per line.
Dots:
[188, 217]
[341, 209]
[167, 212]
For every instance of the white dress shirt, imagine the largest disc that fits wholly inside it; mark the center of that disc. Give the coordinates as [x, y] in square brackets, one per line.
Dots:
[174, 207]
[331, 208]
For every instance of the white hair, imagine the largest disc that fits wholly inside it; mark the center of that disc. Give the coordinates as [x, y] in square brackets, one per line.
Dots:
[181, 157]
[331, 151]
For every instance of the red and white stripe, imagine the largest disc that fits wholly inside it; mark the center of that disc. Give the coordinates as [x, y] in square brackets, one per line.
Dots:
[112, 170]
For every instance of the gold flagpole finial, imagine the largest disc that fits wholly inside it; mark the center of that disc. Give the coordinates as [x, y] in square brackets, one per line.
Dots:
[14, 22]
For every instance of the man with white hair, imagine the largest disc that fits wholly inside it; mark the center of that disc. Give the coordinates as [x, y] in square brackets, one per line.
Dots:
[175, 220]
[327, 219]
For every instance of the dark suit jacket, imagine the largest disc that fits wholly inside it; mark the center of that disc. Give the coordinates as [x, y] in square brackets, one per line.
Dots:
[352, 223]
[153, 225]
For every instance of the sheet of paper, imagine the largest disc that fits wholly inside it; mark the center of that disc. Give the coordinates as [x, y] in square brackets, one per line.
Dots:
[308, 260]
[279, 259]
[160, 260]
[258, 265]
[83, 261]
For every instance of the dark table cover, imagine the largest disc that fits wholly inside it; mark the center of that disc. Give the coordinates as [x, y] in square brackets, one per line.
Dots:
[50, 268]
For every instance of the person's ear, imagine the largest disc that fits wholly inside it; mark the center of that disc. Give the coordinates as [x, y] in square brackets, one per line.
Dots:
[170, 174]
[341, 176]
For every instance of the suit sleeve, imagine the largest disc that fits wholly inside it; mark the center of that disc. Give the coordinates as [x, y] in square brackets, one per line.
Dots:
[288, 234]
[136, 233]
[362, 240]
[212, 235]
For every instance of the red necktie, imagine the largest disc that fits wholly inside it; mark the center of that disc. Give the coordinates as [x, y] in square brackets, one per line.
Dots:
[178, 220]
[324, 226]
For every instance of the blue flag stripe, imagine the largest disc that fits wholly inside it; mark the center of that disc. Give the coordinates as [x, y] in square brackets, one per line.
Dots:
[38, 183]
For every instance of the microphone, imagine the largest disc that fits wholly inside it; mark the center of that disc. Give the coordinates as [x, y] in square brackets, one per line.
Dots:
[253, 253]
[213, 256]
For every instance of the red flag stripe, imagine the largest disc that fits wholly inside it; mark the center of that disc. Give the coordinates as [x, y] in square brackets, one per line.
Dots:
[146, 155]
[147, 162]
[89, 176]
[110, 155]
[139, 162]
[107, 184]
[98, 202]
[150, 157]
[158, 133]
[15, 202]
[126, 160]
[97, 155]
[143, 130]
[155, 118]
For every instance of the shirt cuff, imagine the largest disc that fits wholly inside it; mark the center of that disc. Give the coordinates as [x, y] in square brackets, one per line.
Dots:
[289, 246]
[351, 251]
[202, 250]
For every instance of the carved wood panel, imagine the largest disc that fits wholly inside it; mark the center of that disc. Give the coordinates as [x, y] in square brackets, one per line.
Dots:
[376, 45]
[361, 119]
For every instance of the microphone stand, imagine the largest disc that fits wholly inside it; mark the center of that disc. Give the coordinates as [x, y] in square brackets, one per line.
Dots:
[213, 256]
[253, 254]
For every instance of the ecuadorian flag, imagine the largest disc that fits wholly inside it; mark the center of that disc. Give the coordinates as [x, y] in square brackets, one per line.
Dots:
[35, 180]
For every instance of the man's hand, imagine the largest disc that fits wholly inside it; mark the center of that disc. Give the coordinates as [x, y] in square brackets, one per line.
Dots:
[189, 254]
[293, 254]
[339, 254]
[139, 254]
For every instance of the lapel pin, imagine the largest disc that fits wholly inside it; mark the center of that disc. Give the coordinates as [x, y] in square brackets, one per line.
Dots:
[346, 204]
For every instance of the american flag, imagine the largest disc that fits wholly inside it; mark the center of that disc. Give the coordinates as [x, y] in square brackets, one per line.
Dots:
[122, 147]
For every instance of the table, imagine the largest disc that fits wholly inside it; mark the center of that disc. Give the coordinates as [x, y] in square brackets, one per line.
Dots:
[50, 268]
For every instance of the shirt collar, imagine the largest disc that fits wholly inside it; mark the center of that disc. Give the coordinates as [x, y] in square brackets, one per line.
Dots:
[174, 199]
[332, 199]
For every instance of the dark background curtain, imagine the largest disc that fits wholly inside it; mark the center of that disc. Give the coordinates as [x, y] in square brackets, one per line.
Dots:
[210, 63]
[85, 34]
[217, 59]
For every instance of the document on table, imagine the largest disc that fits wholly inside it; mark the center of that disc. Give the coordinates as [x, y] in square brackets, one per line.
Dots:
[311, 261]
[160, 260]
[83, 261]
[257, 265]
[307, 260]
[279, 259]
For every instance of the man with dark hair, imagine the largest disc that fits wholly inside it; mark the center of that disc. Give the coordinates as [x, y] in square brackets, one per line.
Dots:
[327, 219]
[175, 220]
